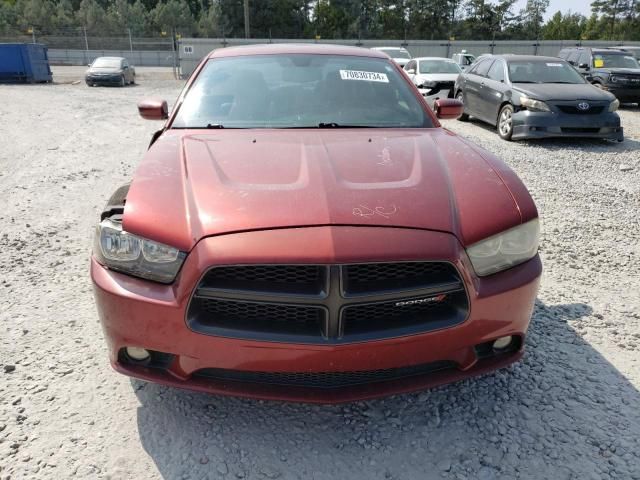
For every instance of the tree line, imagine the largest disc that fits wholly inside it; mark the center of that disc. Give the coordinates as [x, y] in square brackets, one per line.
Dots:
[324, 19]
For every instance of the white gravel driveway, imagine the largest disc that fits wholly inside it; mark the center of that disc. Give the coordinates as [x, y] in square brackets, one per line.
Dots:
[569, 410]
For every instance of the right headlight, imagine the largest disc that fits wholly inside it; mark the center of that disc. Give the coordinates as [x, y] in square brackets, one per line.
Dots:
[506, 249]
[134, 255]
[534, 105]
[613, 106]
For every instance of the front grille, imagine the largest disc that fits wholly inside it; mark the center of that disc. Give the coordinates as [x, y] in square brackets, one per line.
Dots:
[380, 277]
[437, 310]
[294, 279]
[576, 111]
[260, 318]
[327, 303]
[324, 380]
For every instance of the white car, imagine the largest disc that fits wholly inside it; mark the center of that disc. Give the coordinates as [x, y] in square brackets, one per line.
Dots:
[398, 54]
[434, 76]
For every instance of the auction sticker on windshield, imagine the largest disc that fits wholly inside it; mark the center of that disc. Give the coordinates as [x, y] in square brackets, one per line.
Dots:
[366, 76]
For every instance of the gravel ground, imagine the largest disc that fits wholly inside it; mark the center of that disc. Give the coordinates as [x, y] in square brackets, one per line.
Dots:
[569, 410]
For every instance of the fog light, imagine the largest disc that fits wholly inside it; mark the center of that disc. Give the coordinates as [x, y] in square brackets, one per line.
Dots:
[140, 354]
[502, 343]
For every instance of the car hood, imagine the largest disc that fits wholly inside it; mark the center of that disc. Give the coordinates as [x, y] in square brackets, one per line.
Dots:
[626, 71]
[437, 77]
[562, 91]
[194, 183]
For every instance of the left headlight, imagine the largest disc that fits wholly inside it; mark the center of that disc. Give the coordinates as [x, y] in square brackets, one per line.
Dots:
[613, 106]
[506, 249]
[137, 256]
[534, 105]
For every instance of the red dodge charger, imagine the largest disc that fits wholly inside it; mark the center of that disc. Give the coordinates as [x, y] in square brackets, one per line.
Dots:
[302, 228]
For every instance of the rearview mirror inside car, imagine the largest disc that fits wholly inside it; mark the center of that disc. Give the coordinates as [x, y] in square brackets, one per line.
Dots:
[153, 109]
[448, 108]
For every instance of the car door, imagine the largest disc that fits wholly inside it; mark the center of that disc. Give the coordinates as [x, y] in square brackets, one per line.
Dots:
[473, 85]
[493, 92]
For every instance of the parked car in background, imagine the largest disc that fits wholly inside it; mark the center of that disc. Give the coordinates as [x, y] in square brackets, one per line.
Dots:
[399, 55]
[110, 71]
[434, 76]
[463, 59]
[616, 71]
[304, 229]
[535, 97]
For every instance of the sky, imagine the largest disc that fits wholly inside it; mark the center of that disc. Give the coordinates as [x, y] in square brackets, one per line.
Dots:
[576, 6]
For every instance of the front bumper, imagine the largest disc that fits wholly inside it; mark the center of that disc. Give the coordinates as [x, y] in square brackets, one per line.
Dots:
[624, 93]
[103, 79]
[135, 312]
[527, 124]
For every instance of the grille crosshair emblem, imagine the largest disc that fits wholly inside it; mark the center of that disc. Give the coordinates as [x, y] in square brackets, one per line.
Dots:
[418, 301]
[583, 106]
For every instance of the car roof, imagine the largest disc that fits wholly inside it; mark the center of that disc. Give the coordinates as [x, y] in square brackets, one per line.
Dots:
[388, 48]
[527, 58]
[300, 48]
[434, 58]
[614, 51]
[111, 58]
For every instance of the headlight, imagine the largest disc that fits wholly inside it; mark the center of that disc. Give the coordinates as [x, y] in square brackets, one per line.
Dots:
[534, 105]
[613, 106]
[614, 79]
[128, 253]
[509, 248]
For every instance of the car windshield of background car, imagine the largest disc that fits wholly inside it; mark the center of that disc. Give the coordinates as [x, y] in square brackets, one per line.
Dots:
[439, 66]
[551, 71]
[615, 61]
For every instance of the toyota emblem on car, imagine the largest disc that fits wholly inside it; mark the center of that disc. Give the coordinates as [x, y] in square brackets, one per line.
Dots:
[583, 106]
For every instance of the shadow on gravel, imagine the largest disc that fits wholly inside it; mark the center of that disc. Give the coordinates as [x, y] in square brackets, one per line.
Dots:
[564, 412]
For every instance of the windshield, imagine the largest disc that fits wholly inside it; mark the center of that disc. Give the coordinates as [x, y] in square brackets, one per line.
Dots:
[439, 66]
[106, 62]
[300, 91]
[552, 71]
[395, 52]
[614, 61]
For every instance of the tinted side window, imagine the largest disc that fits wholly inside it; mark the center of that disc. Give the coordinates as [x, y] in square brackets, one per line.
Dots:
[496, 72]
[584, 59]
[411, 65]
[573, 57]
[483, 67]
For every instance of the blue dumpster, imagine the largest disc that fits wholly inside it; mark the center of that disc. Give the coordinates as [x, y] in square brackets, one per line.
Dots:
[24, 62]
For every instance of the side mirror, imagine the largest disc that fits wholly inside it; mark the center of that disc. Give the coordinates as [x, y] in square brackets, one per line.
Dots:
[584, 65]
[126, 67]
[448, 108]
[411, 72]
[153, 109]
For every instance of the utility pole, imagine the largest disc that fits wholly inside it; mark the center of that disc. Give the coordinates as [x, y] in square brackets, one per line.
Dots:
[246, 19]
[130, 42]
[86, 41]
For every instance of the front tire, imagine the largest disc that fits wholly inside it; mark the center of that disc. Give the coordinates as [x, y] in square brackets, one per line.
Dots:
[123, 82]
[464, 117]
[505, 122]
